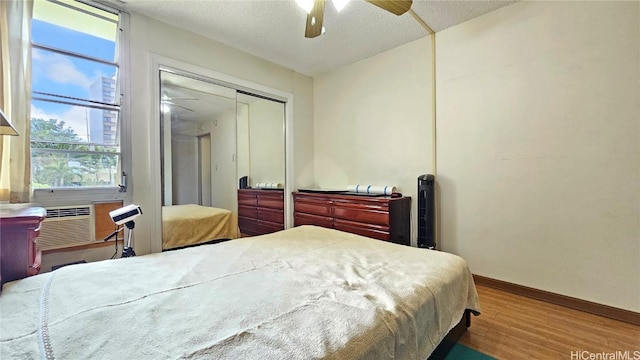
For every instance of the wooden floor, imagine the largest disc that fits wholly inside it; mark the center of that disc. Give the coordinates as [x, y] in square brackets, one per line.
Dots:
[516, 327]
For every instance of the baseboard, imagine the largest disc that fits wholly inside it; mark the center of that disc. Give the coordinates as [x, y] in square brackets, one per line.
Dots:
[567, 301]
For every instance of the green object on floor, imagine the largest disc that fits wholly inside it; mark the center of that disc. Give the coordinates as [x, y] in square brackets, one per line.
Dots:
[461, 352]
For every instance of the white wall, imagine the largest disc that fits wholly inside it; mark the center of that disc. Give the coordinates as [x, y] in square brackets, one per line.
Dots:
[303, 138]
[539, 147]
[266, 148]
[373, 121]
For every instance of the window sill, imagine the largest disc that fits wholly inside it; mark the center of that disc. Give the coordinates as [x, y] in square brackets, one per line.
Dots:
[101, 189]
[91, 245]
[73, 196]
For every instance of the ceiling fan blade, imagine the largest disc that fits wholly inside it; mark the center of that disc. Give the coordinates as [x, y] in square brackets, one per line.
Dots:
[166, 96]
[174, 104]
[314, 20]
[397, 7]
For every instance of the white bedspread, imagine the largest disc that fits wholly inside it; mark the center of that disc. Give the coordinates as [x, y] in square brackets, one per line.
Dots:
[302, 293]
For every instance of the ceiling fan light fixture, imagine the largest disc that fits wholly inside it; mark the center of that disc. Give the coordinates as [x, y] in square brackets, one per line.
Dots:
[314, 21]
[306, 5]
[340, 4]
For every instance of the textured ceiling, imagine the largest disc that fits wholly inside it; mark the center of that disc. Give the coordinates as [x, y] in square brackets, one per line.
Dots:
[274, 29]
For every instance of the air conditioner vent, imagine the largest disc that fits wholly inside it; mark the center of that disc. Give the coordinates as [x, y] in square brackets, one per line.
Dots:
[66, 226]
[66, 212]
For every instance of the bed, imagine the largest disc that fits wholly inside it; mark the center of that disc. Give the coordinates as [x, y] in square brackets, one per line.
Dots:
[303, 293]
[190, 224]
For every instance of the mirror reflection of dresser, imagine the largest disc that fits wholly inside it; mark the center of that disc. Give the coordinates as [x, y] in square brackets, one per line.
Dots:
[260, 211]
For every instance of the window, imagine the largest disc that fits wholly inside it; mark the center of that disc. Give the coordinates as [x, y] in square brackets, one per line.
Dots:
[76, 95]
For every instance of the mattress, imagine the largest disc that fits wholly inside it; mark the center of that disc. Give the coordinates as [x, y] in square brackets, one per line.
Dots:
[302, 293]
[191, 224]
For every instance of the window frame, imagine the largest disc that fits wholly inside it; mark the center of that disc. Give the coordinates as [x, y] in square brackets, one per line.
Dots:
[90, 194]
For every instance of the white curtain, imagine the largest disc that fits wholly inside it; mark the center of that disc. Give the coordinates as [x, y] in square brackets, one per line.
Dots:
[15, 99]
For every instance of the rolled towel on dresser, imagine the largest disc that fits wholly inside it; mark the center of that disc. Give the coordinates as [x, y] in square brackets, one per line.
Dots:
[265, 185]
[372, 189]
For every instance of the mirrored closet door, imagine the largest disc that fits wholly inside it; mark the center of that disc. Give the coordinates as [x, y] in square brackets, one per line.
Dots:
[215, 140]
[260, 141]
[261, 165]
[198, 128]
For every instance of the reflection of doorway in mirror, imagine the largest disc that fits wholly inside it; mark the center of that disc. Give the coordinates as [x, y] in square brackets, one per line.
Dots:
[198, 141]
[204, 169]
[184, 169]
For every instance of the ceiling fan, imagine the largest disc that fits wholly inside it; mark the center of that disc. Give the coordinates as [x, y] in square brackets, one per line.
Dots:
[315, 11]
[167, 101]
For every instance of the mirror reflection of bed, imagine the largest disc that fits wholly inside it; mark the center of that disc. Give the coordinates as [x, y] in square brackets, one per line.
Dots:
[198, 132]
[206, 142]
[190, 224]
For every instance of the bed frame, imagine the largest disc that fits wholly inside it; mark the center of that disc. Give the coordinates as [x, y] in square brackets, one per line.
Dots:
[210, 242]
[452, 337]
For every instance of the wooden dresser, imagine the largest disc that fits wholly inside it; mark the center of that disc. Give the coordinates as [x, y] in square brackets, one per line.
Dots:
[260, 211]
[383, 218]
[19, 228]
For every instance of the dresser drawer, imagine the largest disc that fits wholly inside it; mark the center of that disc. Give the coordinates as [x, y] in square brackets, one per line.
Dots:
[272, 215]
[247, 200]
[365, 214]
[248, 226]
[308, 219]
[272, 202]
[260, 211]
[372, 231]
[248, 212]
[313, 207]
[378, 217]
